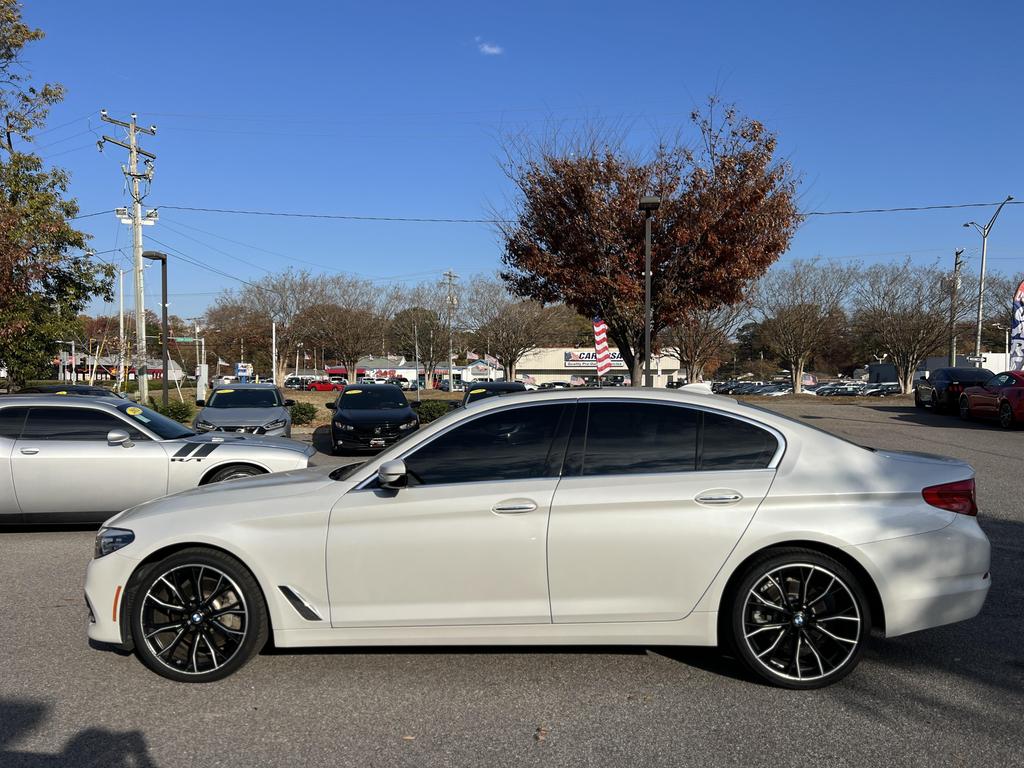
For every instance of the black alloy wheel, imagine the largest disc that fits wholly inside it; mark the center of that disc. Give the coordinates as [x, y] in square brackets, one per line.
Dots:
[197, 616]
[964, 408]
[799, 619]
[1006, 415]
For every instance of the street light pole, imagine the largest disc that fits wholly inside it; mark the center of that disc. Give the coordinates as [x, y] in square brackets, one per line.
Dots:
[648, 205]
[981, 283]
[162, 258]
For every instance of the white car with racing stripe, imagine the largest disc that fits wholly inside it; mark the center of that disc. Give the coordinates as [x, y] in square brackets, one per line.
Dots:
[81, 459]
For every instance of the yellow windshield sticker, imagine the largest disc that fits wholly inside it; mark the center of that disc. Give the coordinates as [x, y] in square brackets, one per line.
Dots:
[352, 392]
[133, 410]
[223, 391]
[62, 392]
[477, 391]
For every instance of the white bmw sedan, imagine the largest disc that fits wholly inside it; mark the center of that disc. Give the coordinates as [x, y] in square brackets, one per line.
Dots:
[557, 517]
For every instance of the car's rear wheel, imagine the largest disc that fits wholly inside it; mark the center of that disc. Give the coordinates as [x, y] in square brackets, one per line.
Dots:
[936, 404]
[918, 402]
[197, 616]
[234, 473]
[964, 406]
[799, 619]
[1006, 415]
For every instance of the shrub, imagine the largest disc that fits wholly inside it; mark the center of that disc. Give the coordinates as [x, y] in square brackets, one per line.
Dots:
[175, 409]
[303, 413]
[432, 409]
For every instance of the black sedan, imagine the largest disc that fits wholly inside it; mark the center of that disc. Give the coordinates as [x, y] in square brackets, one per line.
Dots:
[370, 417]
[479, 391]
[942, 389]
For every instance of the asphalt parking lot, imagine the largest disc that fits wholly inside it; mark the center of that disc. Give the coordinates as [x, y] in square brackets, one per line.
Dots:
[951, 696]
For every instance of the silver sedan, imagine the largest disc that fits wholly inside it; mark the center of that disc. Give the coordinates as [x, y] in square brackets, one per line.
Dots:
[69, 458]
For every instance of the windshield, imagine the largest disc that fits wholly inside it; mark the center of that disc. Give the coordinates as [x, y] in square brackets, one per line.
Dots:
[167, 429]
[244, 398]
[372, 399]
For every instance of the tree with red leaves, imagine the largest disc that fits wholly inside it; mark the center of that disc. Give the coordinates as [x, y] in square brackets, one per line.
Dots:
[728, 212]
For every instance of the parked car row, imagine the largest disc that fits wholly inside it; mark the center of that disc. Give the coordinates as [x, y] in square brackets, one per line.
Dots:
[974, 393]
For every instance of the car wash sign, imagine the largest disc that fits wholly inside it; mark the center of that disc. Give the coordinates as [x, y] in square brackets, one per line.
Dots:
[579, 358]
[1017, 331]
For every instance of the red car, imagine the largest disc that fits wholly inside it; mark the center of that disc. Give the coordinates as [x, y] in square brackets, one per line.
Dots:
[1000, 397]
[324, 386]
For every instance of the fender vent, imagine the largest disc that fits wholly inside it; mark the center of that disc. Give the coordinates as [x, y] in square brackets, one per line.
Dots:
[304, 609]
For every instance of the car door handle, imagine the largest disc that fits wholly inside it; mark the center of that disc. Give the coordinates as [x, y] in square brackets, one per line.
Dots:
[514, 507]
[719, 497]
[30, 451]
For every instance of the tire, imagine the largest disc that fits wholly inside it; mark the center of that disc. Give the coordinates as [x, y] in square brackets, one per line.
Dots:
[1006, 420]
[220, 622]
[964, 408]
[936, 404]
[234, 473]
[918, 402]
[798, 619]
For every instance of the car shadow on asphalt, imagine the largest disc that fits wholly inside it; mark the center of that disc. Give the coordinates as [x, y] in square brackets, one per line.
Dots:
[89, 748]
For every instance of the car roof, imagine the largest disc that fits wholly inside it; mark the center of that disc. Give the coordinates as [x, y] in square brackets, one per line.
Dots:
[109, 403]
[498, 386]
[373, 387]
[249, 385]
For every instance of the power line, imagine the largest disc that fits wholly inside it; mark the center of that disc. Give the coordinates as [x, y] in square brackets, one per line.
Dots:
[90, 215]
[908, 208]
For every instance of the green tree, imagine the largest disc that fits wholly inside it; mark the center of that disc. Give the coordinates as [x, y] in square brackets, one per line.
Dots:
[45, 280]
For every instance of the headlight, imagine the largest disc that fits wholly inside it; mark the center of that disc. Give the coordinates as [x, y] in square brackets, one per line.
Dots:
[205, 426]
[112, 539]
[409, 425]
[344, 426]
[276, 424]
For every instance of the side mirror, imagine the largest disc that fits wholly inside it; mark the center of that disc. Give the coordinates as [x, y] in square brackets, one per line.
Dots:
[200, 403]
[119, 437]
[289, 403]
[391, 474]
[331, 405]
[415, 404]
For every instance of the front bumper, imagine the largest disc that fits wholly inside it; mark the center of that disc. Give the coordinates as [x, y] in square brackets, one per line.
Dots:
[930, 579]
[105, 581]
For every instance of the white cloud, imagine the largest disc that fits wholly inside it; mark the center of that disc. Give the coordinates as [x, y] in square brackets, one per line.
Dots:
[489, 49]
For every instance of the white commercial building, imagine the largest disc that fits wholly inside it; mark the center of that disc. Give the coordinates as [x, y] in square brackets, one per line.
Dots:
[563, 363]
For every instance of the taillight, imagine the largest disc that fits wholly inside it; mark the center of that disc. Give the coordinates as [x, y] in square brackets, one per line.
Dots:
[957, 497]
[956, 387]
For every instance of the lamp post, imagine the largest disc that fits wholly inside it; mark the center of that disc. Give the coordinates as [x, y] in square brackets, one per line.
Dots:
[981, 283]
[648, 205]
[162, 258]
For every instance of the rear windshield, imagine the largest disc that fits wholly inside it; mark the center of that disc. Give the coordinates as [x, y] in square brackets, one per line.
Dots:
[969, 374]
[244, 398]
[377, 398]
[166, 428]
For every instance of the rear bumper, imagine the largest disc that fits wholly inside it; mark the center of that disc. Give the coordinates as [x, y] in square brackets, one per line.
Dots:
[932, 578]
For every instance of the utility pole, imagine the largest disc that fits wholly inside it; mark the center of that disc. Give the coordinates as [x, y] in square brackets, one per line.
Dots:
[451, 277]
[957, 264]
[981, 283]
[121, 374]
[131, 172]
[416, 357]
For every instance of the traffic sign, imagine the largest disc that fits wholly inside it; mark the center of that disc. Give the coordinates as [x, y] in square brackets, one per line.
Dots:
[183, 338]
[976, 358]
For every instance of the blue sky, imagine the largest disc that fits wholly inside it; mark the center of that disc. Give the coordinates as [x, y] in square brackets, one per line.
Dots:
[398, 108]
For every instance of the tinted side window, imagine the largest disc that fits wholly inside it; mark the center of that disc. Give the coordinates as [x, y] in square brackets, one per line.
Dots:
[733, 444]
[11, 421]
[637, 438]
[73, 424]
[512, 444]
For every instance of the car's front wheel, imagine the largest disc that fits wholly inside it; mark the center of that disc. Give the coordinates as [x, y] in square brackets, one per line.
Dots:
[964, 406]
[799, 619]
[197, 616]
[234, 472]
[1006, 415]
[918, 402]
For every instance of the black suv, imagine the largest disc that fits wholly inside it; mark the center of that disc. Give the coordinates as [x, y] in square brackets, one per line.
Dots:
[479, 390]
[370, 417]
[943, 387]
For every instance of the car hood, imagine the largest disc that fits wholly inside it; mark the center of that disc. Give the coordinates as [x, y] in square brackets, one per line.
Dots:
[253, 441]
[375, 415]
[254, 493]
[250, 417]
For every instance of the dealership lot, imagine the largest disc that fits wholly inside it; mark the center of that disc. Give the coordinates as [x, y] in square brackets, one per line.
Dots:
[948, 696]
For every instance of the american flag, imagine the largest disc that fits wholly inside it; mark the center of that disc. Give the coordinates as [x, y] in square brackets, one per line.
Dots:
[604, 357]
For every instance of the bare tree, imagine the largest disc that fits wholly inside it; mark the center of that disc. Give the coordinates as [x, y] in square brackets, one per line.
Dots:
[349, 320]
[800, 304]
[703, 335]
[419, 328]
[906, 312]
[508, 327]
